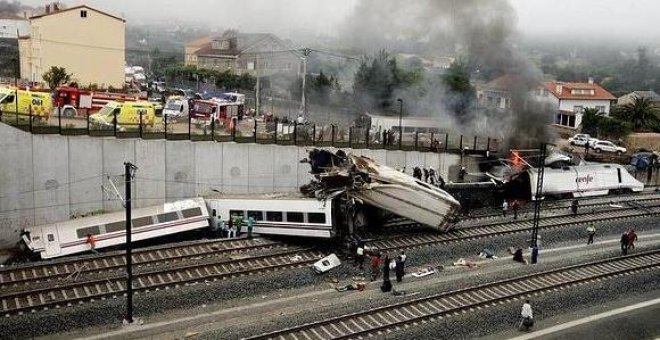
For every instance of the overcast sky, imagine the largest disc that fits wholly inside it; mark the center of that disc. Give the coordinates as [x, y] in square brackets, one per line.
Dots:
[633, 19]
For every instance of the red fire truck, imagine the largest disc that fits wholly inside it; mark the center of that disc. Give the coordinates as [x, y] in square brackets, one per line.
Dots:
[224, 109]
[73, 101]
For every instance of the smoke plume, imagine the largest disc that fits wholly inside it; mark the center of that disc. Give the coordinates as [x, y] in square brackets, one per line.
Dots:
[9, 7]
[482, 33]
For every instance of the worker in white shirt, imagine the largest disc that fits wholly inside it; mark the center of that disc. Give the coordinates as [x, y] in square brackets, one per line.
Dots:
[527, 317]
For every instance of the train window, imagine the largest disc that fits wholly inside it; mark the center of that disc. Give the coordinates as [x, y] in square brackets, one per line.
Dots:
[257, 215]
[51, 237]
[274, 216]
[116, 226]
[168, 217]
[240, 213]
[192, 212]
[316, 218]
[295, 217]
[143, 221]
[83, 232]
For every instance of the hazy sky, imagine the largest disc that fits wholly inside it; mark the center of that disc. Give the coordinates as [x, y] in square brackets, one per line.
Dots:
[634, 19]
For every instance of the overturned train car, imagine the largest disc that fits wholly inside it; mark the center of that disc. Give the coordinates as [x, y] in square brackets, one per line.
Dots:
[573, 181]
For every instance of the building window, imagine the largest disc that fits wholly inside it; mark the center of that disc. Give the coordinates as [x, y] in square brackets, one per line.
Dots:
[83, 14]
[250, 65]
[600, 108]
[227, 64]
[577, 108]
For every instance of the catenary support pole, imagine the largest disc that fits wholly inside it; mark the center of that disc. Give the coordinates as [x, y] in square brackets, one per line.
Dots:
[129, 251]
[537, 203]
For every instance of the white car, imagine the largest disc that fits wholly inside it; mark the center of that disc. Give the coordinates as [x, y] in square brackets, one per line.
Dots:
[608, 146]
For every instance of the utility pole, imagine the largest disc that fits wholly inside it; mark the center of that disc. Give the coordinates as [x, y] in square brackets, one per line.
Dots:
[303, 104]
[256, 71]
[128, 174]
[537, 203]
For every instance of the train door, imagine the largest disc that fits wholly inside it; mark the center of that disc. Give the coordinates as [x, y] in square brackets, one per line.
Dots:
[51, 240]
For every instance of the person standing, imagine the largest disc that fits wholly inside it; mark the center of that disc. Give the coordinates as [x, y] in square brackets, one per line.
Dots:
[386, 268]
[375, 266]
[399, 269]
[385, 137]
[527, 316]
[359, 254]
[250, 226]
[624, 243]
[426, 175]
[432, 176]
[239, 225]
[230, 222]
[515, 210]
[574, 206]
[91, 240]
[591, 231]
[505, 207]
[632, 237]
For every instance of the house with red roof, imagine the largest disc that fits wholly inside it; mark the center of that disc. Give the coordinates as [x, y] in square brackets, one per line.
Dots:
[570, 100]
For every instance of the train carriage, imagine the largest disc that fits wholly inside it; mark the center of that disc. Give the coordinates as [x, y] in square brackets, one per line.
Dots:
[284, 215]
[70, 237]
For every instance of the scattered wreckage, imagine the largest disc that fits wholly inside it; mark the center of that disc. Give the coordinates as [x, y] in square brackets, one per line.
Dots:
[364, 182]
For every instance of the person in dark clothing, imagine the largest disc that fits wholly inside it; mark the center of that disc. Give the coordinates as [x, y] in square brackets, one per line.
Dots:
[385, 137]
[399, 270]
[515, 210]
[574, 206]
[461, 174]
[426, 175]
[624, 243]
[417, 173]
[386, 268]
[375, 266]
[518, 256]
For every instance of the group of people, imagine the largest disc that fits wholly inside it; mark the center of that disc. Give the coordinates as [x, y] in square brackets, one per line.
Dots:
[428, 176]
[514, 207]
[378, 261]
[231, 228]
[628, 239]
[388, 137]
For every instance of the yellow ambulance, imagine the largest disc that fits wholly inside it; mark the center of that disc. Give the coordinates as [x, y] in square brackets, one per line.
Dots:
[127, 113]
[39, 104]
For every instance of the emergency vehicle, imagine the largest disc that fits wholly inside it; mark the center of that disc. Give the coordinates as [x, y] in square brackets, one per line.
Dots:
[73, 101]
[126, 114]
[223, 110]
[177, 107]
[25, 102]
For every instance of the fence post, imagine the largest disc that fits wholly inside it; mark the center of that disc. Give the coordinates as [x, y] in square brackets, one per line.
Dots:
[366, 138]
[114, 123]
[189, 123]
[488, 144]
[140, 113]
[16, 99]
[213, 129]
[416, 139]
[446, 142]
[332, 134]
[295, 134]
[432, 142]
[350, 137]
[59, 119]
[29, 115]
[165, 122]
[87, 120]
[233, 129]
[314, 135]
[460, 145]
[255, 130]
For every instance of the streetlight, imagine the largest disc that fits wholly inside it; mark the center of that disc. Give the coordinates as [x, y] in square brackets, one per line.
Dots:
[400, 117]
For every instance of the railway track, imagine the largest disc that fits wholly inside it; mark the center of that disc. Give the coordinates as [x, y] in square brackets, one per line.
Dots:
[383, 320]
[69, 293]
[71, 268]
[650, 207]
[549, 206]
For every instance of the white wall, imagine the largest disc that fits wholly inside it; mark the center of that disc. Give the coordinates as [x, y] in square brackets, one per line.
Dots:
[8, 28]
[49, 178]
[568, 105]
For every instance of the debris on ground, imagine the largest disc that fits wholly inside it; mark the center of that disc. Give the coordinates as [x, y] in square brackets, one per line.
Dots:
[425, 271]
[465, 263]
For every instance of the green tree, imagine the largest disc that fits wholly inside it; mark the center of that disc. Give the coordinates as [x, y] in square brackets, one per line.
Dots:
[56, 76]
[591, 119]
[641, 112]
[461, 92]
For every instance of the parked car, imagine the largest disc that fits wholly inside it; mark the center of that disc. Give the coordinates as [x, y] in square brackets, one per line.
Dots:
[581, 139]
[603, 145]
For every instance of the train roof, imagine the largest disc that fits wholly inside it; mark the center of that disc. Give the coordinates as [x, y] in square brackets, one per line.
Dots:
[269, 196]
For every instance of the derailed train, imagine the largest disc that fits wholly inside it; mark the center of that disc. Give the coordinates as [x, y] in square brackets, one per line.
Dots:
[345, 193]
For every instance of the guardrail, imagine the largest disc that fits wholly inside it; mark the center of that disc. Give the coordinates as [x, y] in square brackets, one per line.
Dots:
[253, 130]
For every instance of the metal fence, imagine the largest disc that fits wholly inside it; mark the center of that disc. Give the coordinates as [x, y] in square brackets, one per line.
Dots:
[250, 130]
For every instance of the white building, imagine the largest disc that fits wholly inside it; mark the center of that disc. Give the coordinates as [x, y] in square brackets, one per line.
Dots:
[11, 25]
[571, 99]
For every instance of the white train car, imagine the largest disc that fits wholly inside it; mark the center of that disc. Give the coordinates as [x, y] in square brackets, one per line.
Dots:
[70, 237]
[289, 216]
[574, 181]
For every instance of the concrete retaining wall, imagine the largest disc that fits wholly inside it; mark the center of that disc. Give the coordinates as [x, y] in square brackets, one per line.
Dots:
[50, 178]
